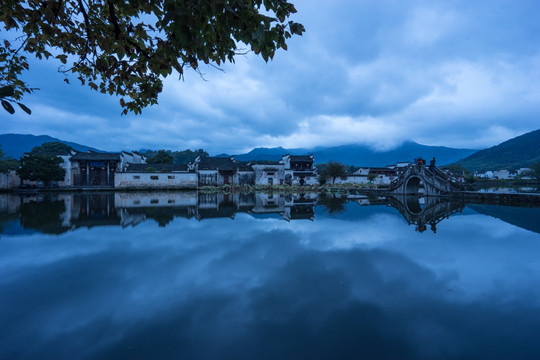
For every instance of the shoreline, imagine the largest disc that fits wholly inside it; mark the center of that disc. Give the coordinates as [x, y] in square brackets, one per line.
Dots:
[512, 199]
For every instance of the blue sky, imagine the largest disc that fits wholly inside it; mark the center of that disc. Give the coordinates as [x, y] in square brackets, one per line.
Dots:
[453, 73]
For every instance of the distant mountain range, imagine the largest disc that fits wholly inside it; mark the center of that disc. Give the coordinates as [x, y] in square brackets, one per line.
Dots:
[521, 151]
[362, 155]
[15, 145]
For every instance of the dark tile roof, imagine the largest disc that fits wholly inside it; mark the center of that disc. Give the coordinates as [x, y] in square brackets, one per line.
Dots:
[217, 163]
[266, 162]
[244, 166]
[93, 156]
[381, 170]
[139, 168]
[301, 158]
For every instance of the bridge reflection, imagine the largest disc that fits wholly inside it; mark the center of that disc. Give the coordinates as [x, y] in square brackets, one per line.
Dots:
[58, 213]
[425, 211]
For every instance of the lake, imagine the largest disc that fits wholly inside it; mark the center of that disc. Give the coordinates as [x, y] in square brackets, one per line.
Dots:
[182, 275]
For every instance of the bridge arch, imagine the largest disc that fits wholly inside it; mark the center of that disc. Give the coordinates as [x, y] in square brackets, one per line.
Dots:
[414, 185]
[413, 205]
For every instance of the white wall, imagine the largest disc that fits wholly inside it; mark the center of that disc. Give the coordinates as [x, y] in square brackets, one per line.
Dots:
[9, 180]
[155, 180]
[155, 199]
[351, 179]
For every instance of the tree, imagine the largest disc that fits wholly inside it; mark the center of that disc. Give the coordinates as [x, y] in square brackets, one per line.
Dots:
[179, 157]
[162, 157]
[333, 170]
[46, 168]
[52, 148]
[371, 176]
[535, 168]
[6, 163]
[126, 47]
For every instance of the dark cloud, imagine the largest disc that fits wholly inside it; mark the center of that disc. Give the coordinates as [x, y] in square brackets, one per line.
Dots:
[377, 72]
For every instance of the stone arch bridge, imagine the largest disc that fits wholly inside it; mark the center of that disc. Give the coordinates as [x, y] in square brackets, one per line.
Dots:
[419, 180]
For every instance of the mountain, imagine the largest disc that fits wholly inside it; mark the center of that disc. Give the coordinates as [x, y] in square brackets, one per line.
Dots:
[15, 145]
[362, 155]
[521, 151]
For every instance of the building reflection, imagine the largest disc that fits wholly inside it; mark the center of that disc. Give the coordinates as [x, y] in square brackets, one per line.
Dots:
[58, 213]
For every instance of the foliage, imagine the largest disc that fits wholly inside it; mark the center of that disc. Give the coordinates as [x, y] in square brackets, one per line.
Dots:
[371, 176]
[179, 157]
[332, 170]
[351, 169]
[127, 47]
[332, 203]
[52, 148]
[7, 94]
[535, 168]
[458, 169]
[37, 167]
[44, 216]
[150, 169]
[162, 157]
[6, 163]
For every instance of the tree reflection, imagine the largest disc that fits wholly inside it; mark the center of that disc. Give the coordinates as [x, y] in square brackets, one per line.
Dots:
[334, 204]
[44, 215]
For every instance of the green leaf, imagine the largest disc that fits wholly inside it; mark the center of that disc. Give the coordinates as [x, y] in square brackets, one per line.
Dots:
[25, 109]
[62, 57]
[8, 107]
[6, 91]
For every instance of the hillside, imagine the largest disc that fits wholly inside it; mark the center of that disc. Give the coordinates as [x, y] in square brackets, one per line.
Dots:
[521, 151]
[361, 155]
[15, 145]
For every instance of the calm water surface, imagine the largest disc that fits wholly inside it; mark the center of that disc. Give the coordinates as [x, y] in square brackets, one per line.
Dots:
[192, 276]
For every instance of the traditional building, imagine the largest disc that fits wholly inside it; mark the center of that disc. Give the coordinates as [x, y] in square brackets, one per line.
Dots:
[156, 176]
[98, 169]
[383, 175]
[223, 171]
[269, 172]
[299, 170]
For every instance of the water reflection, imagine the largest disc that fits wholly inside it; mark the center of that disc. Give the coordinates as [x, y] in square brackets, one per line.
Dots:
[59, 213]
[425, 211]
[356, 282]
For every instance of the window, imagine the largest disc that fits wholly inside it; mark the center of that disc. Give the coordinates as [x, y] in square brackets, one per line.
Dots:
[136, 202]
[171, 201]
[154, 177]
[170, 177]
[270, 174]
[154, 201]
[136, 177]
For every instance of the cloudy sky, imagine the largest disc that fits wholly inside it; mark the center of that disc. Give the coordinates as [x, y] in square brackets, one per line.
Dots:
[379, 72]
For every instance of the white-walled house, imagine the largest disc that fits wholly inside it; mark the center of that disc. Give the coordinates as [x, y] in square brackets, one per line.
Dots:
[99, 169]
[299, 170]
[501, 174]
[269, 172]
[156, 176]
[223, 171]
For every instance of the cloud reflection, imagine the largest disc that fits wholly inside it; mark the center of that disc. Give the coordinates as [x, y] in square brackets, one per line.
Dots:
[266, 288]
